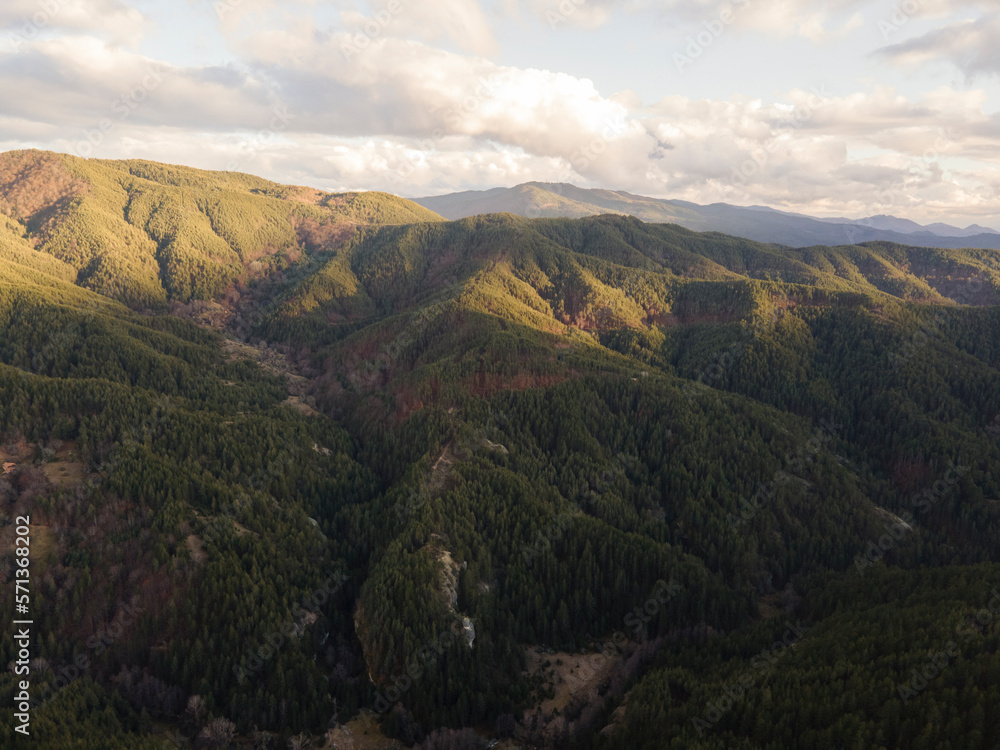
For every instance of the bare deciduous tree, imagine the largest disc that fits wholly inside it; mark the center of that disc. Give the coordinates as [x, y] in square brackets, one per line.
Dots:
[217, 734]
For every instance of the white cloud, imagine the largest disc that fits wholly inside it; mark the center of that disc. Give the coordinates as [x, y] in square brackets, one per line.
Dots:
[398, 87]
[814, 21]
[24, 21]
[77, 82]
[969, 44]
[461, 21]
[780, 18]
[587, 14]
[418, 107]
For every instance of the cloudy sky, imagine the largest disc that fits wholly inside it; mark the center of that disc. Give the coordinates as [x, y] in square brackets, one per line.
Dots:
[836, 108]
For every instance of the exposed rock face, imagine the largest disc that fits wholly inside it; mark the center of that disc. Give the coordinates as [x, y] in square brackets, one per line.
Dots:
[469, 631]
[449, 578]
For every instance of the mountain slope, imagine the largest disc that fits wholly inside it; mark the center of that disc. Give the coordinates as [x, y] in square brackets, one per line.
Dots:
[146, 233]
[161, 476]
[493, 474]
[595, 273]
[657, 302]
[555, 200]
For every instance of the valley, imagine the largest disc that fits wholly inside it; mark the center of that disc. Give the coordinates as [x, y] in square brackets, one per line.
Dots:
[282, 443]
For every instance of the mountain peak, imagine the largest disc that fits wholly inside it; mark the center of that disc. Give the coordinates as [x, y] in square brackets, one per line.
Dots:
[761, 223]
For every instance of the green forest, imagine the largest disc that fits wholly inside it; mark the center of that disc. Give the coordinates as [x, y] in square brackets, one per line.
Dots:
[302, 466]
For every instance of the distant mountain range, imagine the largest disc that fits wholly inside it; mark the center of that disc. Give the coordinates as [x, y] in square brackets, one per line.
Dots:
[759, 223]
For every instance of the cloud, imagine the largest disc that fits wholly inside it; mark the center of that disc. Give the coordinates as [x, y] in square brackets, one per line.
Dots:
[586, 14]
[403, 116]
[805, 18]
[23, 21]
[463, 22]
[78, 81]
[404, 88]
[969, 44]
[400, 101]
[858, 154]
[779, 18]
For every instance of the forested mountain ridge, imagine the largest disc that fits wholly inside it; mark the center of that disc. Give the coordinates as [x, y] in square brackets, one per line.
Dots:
[504, 447]
[551, 286]
[572, 270]
[146, 233]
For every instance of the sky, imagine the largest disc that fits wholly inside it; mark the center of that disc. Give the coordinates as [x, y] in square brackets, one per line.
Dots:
[840, 108]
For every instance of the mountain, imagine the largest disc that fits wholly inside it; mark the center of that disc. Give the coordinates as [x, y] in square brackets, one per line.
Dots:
[947, 230]
[557, 200]
[550, 482]
[148, 233]
[549, 200]
[905, 226]
[902, 226]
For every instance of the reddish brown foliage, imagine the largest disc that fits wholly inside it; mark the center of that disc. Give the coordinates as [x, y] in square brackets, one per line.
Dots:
[33, 182]
[318, 237]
